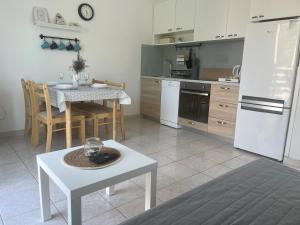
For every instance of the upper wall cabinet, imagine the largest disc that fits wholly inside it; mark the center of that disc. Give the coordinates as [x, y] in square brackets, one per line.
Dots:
[274, 9]
[221, 19]
[164, 17]
[238, 18]
[211, 19]
[174, 16]
[185, 15]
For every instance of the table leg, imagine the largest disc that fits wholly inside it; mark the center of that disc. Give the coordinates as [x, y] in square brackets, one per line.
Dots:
[69, 124]
[150, 200]
[74, 211]
[115, 101]
[110, 190]
[44, 194]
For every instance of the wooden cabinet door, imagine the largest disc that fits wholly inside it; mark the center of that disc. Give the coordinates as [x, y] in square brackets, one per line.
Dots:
[238, 18]
[185, 15]
[164, 17]
[211, 19]
[150, 97]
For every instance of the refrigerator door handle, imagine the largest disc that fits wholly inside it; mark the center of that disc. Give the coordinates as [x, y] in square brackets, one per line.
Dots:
[263, 101]
[262, 108]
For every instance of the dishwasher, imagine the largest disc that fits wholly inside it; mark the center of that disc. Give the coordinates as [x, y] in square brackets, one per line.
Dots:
[170, 103]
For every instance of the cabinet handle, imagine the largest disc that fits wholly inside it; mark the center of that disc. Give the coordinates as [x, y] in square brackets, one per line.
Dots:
[235, 35]
[221, 122]
[157, 81]
[261, 16]
[218, 36]
[225, 88]
[170, 29]
[192, 123]
[254, 17]
[178, 28]
[221, 36]
[221, 105]
[230, 35]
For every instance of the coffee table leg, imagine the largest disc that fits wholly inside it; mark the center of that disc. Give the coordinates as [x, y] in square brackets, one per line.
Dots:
[44, 194]
[74, 211]
[150, 200]
[110, 190]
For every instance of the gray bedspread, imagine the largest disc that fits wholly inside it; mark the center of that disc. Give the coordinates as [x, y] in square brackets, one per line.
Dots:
[261, 193]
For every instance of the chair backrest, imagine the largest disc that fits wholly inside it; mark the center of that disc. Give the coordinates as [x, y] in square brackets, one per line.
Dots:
[26, 94]
[41, 92]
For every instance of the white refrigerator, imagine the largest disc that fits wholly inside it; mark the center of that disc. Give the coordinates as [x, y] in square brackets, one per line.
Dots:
[269, 70]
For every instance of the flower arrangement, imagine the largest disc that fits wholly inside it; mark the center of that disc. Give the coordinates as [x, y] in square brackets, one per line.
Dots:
[79, 64]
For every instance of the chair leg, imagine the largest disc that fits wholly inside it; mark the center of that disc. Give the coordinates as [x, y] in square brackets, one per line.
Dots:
[35, 133]
[82, 131]
[27, 125]
[122, 124]
[106, 126]
[96, 127]
[49, 138]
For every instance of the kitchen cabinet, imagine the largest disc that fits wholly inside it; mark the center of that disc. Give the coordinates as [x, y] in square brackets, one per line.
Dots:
[274, 9]
[174, 16]
[211, 19]
[164, 17]
[185, 15]
[222, 110]
[151, 97]
[221, 19]
[238, 18]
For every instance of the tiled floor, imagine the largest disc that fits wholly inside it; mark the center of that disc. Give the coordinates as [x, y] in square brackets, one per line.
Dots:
[186, 160]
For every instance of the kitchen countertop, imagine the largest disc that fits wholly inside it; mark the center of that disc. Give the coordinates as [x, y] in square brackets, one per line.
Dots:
[192, 81]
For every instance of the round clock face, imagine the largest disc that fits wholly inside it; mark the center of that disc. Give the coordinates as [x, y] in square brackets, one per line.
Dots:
[86, 11]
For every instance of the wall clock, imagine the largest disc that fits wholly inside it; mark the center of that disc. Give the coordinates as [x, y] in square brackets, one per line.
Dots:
[86, 11]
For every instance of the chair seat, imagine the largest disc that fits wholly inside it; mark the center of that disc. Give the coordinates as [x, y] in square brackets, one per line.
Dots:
[57, 115]
[93, 110]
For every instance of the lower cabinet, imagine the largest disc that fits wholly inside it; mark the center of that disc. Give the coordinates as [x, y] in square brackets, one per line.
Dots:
[192, 124]
[150, 97]
[222, 110]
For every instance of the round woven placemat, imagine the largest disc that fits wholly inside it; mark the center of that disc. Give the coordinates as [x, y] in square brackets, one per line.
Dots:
[79, 160]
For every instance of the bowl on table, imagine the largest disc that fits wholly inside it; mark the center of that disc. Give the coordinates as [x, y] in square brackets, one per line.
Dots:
[99, 85]
[64, 86]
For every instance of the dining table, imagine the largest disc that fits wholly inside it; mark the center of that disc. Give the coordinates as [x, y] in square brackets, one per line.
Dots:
[63, 99]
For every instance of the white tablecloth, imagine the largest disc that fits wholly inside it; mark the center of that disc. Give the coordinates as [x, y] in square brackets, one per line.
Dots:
[86, 93]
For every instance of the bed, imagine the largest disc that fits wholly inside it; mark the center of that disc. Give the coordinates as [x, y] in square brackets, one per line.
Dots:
[261, 193]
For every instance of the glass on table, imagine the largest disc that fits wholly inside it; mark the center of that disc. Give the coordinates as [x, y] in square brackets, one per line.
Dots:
[93, 146]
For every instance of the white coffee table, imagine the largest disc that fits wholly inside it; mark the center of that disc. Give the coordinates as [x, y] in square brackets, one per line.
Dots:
[76, 183]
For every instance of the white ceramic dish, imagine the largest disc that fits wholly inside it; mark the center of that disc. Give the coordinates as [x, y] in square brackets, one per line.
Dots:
[52, 83]
[64, 86]
[99, 85]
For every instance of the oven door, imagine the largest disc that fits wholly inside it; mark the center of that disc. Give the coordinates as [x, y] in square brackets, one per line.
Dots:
[194, 105]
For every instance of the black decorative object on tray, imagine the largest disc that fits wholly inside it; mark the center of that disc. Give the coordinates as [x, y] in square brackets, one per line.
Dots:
[73, 44]
[101, 158]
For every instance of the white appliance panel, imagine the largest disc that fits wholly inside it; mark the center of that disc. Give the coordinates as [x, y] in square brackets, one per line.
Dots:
[262, 133]
[270, 60]
[170, 103]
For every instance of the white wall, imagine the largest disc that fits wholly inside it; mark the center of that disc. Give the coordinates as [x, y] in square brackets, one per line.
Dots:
[111, 45]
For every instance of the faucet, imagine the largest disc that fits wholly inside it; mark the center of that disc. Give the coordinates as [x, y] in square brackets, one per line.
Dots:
[170, 66]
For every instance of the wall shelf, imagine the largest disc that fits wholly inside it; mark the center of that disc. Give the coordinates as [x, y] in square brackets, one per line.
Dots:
[57, 26]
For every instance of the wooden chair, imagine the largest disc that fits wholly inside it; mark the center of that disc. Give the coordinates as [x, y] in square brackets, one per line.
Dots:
[51, 117]
[102, 113]
[27, 104]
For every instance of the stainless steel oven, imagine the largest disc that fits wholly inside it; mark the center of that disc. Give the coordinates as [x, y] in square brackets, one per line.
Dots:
[194, 101]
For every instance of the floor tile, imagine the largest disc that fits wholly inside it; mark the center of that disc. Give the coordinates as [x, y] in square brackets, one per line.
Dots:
[161, 159]
[248, 157]
[177, 153]
[235, 163]
[216, 156]
[113, 217]
[134, 207]
[197, 180]
[18, 203]
[34, 218]
[198, 163]
[217, 171]
[14, 178]
[173, 191]
[92, 205]
[177, 171]
[124, 192]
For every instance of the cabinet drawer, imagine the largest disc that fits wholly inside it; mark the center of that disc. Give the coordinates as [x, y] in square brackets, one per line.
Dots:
[221, 127]
[225, 93]
[193, 124]
[221, 110]
[151, 85]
